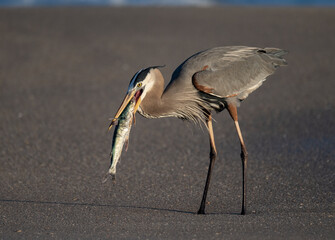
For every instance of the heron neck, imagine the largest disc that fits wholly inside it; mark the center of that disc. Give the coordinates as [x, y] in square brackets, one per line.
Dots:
[155, 104]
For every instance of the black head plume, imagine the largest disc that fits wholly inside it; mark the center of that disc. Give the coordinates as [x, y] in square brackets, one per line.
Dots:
[141, 75]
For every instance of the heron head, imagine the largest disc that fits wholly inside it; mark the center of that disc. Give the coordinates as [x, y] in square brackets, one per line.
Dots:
[139, 85]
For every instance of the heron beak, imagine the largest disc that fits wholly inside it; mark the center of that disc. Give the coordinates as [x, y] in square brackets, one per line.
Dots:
[138, 102]
[125, 102]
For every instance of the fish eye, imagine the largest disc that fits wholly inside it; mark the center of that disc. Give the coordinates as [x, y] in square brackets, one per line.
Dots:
[139, 85]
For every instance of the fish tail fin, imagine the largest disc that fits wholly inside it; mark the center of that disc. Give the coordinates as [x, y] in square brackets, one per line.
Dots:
[108, 175]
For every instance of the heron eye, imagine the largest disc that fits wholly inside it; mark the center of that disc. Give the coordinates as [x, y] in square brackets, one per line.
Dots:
[139, 85]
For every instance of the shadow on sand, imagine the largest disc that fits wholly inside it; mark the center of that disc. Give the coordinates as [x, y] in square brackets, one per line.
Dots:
[107, 205]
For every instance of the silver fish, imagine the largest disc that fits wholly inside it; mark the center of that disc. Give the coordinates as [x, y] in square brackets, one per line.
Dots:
[121, 136]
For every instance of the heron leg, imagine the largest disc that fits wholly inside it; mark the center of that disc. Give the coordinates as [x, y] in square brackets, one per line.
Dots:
[244, 155]
[213, 154]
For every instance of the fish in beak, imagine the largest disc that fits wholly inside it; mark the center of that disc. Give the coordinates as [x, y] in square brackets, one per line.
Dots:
[130, 95]
[121, 137]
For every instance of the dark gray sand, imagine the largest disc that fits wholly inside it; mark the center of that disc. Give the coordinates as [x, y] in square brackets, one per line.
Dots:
[63, 74]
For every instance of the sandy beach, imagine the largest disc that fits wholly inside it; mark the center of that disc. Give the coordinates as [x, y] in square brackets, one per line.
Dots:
[64, 73]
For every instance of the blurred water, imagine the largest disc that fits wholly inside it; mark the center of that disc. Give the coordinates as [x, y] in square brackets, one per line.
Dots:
[31, 3]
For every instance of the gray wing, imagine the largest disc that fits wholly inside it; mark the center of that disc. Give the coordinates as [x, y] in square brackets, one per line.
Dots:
[236, 71]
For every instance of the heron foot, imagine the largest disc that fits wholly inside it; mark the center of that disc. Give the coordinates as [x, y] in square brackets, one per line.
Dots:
[201, 211]
[243, 211]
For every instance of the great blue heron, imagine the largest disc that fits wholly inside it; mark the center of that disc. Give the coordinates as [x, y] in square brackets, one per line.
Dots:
[214, 79]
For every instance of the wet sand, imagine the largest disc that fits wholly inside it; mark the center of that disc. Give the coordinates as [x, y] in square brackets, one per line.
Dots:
[63, 74]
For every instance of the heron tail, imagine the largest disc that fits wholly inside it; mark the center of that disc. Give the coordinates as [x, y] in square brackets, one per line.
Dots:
[276, 52]
[276, 55]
